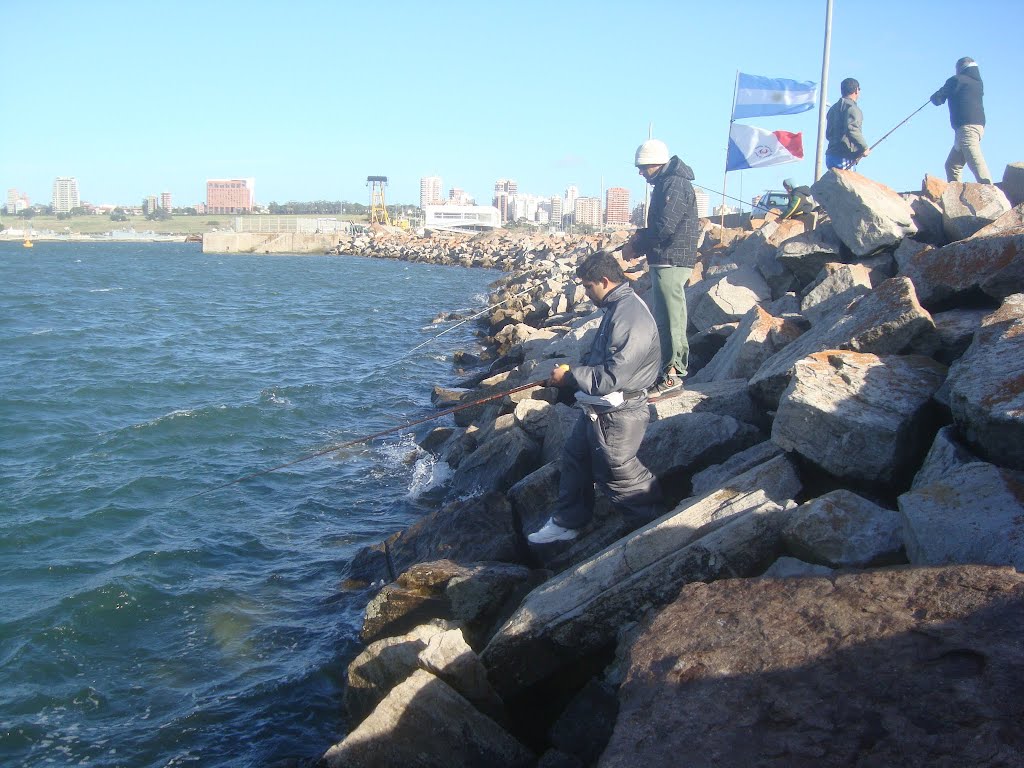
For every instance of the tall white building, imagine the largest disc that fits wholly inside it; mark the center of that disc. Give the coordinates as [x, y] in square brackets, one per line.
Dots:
[571, 193]
[430, 191]
[702, 202]
[65, 194]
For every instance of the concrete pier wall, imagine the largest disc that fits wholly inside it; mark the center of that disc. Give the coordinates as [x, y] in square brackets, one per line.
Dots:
[269, 242]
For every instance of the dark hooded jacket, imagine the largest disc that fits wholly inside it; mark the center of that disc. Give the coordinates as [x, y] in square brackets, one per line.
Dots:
[672, 231]
[964, 92]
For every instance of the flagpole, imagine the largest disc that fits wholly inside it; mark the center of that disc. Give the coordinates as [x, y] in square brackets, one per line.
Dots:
[647, 187]
[819, 152]
[725, 175]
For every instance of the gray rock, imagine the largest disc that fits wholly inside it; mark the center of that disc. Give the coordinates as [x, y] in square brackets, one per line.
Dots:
[955, 329]
[986, 387]
[907, 250]
[717, 475]
[974, 514]
[946, 276]
[844, 530]
[859, 416]
[867, 215]
[705, 345]
[424, 723]
[805, 255]
[927, 218]
[723, 398]
[1013, 183]
[757, 338]
[839, 285]
[910, 667]
[729, 298]
[792, 568]
[535, 495]
[689, 442]
[966, 208]
[1012, 219]
[887, 321]
[449, 657]
[560, 425]
[946, 455]
[532, 416]
[731, 532]
[497, 464]
[381, 666]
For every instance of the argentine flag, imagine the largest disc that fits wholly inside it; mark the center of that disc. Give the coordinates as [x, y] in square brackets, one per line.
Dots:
[751, 147]
[760, 96]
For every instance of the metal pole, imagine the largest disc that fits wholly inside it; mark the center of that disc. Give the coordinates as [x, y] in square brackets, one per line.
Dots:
[728, 136]
[647, 187]
[819, 154]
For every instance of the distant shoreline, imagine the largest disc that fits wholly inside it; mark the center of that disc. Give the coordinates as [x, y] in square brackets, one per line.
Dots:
[106, 237]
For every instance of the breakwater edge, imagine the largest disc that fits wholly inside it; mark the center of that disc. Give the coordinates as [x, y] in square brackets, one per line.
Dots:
[841, 535]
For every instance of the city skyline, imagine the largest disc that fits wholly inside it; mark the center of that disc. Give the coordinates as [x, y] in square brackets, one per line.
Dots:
[350, 105]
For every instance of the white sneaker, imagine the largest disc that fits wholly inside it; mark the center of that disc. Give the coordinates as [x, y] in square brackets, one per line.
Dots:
[552, 531]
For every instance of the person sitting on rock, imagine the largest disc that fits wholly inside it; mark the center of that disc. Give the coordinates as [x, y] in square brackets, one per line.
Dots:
[612, 381]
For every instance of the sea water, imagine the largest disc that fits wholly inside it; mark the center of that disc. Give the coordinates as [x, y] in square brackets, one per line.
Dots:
[140, 624]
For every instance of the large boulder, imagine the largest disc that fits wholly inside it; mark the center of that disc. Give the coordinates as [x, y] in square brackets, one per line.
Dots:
[425, 723]
[909, 667]
[497, 464]
[839, 284]
[986, 386]
[804, 255]
[947, 454]
[968, 269]
[758, 337]
[887, 321]
[844, 530]
[733, 531]
[867, 216]
[689, 442]
[724, 398]
[860, 416]
[729, 298]
[966, 208]
[972, 514]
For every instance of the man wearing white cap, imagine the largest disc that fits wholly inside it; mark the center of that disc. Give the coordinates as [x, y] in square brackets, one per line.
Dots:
[669, 241]
[964, 91]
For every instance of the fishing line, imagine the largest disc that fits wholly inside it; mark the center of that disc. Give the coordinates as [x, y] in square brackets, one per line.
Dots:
[367, 438]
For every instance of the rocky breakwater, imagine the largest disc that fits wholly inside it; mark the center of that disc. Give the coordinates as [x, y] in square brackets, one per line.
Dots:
[510, 251]
[836, 578]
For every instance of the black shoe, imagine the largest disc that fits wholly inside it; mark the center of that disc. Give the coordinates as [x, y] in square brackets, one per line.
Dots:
[670, 383]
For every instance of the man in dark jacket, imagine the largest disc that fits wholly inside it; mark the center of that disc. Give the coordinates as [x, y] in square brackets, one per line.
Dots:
[964, 91]
[669, 241]
[846, 142]
[612, 379]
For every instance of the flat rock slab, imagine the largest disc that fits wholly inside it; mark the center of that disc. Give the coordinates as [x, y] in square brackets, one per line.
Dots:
[424, 723]
[859, 416]
[973, 514]
[898, 667]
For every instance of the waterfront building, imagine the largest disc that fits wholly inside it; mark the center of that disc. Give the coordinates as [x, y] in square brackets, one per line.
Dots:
[149, 204]
[616, 206]
[230, 195]
[571, 193]
[587, 211]
[65, 194]
[556, 211]
[461, 218]
[16, 202]
[504, 191]
[165, 200]
[457, 196]
[430, 191]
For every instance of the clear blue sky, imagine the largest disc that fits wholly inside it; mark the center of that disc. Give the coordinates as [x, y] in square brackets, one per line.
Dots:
[311, 97]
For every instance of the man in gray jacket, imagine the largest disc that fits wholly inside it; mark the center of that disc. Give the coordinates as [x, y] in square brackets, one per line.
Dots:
[612, 381]
[846, 142]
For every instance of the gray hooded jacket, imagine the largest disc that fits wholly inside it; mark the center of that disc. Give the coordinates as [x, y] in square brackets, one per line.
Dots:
[626, 353]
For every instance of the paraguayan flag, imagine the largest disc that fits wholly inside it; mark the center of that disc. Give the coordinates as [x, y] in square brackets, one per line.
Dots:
[757, 96]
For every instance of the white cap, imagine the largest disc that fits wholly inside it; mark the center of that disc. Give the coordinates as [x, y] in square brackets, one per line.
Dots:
[651, 152]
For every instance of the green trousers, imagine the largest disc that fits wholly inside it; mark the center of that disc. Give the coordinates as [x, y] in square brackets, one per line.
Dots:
[669, 300]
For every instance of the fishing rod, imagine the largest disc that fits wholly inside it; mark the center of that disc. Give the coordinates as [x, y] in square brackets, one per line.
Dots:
[367, 438]
[899, 124]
